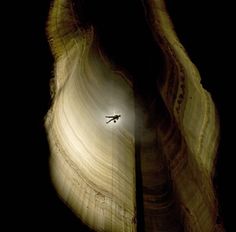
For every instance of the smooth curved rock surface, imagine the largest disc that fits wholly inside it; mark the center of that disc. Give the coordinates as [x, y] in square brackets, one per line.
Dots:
[92, 163]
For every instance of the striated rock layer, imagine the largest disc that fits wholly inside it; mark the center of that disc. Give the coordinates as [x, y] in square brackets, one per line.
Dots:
[187, 134]
[93, 163]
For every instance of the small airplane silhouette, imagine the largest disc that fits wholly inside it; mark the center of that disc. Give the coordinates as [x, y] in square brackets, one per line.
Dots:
[113, 118]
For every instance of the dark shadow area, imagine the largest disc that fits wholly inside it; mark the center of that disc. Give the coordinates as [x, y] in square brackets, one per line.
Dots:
[139, 181]
[125, 37]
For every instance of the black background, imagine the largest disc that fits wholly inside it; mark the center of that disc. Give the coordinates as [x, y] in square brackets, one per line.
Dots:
[203, 28]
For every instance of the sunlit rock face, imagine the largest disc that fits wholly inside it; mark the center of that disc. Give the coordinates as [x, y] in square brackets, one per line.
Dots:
[173, 133]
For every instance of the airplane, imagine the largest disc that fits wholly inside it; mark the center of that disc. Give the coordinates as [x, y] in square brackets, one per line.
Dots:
[113, 118]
